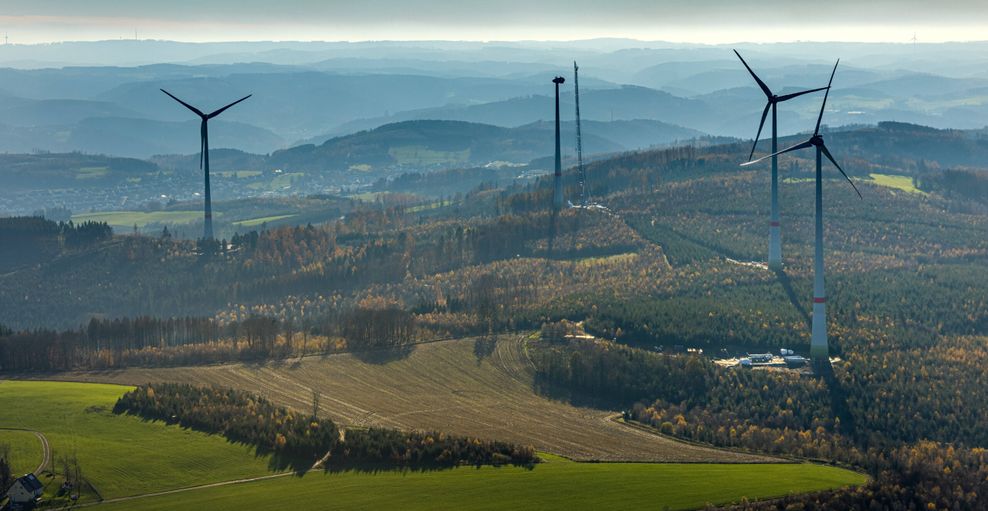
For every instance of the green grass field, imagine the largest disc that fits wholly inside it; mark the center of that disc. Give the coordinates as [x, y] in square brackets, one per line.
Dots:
[239, 174]
[278, 182]
[125, 456]
[121, 455]
[127, 219]
[556, 484]
[91, 173]
[253, 222]
[25, 451]
[420, 155]
[903, 183]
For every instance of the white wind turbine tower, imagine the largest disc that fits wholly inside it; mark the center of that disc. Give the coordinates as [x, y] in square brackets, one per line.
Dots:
[819, 348]
[774, 229]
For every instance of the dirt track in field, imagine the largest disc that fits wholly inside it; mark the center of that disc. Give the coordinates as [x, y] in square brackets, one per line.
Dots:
[440, 386]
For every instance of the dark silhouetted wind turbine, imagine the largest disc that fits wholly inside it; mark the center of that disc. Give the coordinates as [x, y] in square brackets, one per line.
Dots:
[557, 190]
[207, 229]
[819, 349]
[774, 234]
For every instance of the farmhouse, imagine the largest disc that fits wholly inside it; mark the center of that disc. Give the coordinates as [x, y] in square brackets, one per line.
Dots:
[25, 490]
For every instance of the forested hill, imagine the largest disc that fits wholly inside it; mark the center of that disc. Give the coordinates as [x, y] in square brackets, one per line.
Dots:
[693, 204]
[69, 170]
[428, 144]
[908, 147]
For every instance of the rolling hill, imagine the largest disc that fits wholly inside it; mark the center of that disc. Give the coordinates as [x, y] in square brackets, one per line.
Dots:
[425, 145]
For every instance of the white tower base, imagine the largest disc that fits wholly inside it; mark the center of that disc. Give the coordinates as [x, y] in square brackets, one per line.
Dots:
[774, 247]
[819, 349]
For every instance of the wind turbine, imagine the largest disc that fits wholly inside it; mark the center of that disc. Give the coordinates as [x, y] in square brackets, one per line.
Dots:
[207, 229]
[557, 191]
[774, 234]
[819, 350]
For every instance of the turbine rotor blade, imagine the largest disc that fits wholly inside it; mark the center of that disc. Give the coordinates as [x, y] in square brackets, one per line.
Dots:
[765, 89]
[190, 107]
[796, 147]
[217, 112]
[825, 94]
[787, 97]
[830, 157]
[760, 126]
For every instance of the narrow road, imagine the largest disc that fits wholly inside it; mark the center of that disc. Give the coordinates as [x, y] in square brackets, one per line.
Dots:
[45, 447]
[317, 465]
[181, 490]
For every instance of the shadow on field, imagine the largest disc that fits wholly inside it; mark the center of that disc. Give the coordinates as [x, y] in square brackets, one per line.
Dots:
[559, 393]
[278, 462]
[391, 468]
[484, 347]
[791, 293]
[384, 355]
[298, 465]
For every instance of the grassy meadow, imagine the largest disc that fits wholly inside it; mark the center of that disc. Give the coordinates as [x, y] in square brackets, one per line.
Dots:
[120, 455]
[127, 219]
[25, 450]
[556, 484]
[124, 456]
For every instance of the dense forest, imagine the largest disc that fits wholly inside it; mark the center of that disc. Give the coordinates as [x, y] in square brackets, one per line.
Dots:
[913, 427]
[242, 417]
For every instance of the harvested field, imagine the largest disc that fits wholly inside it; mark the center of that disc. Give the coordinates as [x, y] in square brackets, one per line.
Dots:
[439, 386]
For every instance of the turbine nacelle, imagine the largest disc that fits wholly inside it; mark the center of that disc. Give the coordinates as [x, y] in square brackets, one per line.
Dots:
[772, 99]
[816, 140]
[559, 80]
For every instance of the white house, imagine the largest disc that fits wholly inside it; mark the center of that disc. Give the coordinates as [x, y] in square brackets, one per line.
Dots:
[25, 489]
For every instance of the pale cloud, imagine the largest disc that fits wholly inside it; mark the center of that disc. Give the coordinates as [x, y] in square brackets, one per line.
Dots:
[710, 21]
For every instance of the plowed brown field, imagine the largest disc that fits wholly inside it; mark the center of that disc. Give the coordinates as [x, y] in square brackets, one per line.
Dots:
[440, 386]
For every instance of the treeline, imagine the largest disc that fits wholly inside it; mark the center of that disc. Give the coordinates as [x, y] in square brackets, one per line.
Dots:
[964, 183]
[614, 373]
[31, 240]
[243, 417]
[107, 343]
[684, 385]
[235, 414]
[925, 475]
[146, 341]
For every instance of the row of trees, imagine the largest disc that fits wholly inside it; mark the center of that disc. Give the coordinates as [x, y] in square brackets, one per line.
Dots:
[30, 240]
[235, 414]
[146, 341]
[243, 417]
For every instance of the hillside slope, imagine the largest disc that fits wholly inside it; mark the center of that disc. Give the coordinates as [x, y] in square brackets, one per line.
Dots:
[440, 386]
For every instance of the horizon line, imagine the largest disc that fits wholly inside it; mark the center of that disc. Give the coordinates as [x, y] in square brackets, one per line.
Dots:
[492, 41]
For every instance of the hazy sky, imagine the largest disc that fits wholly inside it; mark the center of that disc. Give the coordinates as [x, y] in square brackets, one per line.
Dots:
[704, 21]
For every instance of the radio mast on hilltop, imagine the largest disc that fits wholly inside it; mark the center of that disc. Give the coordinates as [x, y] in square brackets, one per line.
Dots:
[584, 199]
